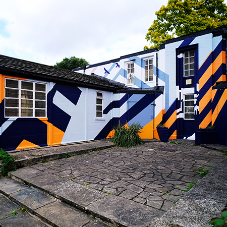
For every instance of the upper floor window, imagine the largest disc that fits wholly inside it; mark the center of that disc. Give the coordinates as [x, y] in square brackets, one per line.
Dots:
[99, 104]
[189, 107]
[189, 63]
[149, 69]
[25, 98]
[130, 73]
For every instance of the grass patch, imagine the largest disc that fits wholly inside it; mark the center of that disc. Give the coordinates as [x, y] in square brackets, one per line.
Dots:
[127, 136]
[7, 162]
[203, 172]
[67, 155]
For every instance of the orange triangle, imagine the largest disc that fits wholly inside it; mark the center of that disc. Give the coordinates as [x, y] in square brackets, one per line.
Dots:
[26, 144]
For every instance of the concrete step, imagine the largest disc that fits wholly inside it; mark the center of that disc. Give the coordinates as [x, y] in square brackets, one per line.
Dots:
[48, 210]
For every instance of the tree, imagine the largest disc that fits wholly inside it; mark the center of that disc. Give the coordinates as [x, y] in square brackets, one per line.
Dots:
[181, 17]
[71, 63]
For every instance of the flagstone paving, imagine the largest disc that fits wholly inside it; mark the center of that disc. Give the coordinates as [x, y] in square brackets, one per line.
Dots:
[143, 181]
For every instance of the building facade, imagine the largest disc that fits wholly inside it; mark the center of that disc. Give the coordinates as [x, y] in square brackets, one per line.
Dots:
[187, 67]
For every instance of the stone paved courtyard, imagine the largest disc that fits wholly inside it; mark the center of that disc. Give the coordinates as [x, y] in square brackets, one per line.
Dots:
[155, 174]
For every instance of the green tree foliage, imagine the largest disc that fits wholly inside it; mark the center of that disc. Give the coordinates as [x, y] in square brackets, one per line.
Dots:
[71, 63]
[181, 17]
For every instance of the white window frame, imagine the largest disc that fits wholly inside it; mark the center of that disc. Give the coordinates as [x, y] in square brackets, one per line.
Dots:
[130, 72]
[20, 98]
[185, 107]
[98, 111]
[148, 79]
[188, 63]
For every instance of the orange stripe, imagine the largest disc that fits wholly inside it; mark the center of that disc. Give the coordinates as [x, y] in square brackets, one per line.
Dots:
[26, 144]
[174, 135]
[205, 77]
[205, 100]
[171, 119]
[206, 121]
[222, 78]
[219, 106]
[218, 61]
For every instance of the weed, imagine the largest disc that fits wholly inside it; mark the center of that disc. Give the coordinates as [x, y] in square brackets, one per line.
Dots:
[29, 185]
[44, 160]
[67, 155]
[85, 184]
[165, 193]
[14, 212]
[7, 162]
[173, 142]
[127, 136]
[224, 153]
[96, 148]
[203, 172]
[9, 175]
[176, 201]
[219, 221]
[23, 209]
[93, 215]
[189, 187]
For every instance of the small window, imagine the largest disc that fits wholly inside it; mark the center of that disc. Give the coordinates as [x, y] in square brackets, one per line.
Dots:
[99, 104]
[149, 69]
[189, 107]
[189, 63]
[25, 99]
[130, 73]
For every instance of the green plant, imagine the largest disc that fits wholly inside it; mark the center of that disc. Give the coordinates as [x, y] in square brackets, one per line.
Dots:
[173, 142]
[161, 126]
[67, 155]
[219, 221]
[44, 160]
[176, 201]
[191, 185]
[93, 215]
[23, 209]
[7, 162]
[203, 172]
[127, 136]
[14, 212]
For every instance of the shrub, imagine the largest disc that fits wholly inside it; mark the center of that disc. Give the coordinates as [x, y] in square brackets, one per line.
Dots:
[7, 162]
[127, 136]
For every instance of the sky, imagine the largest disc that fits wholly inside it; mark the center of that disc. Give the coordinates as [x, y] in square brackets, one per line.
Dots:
[47, 31]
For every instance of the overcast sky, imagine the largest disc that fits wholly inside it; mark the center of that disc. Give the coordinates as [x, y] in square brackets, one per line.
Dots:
[46, 31]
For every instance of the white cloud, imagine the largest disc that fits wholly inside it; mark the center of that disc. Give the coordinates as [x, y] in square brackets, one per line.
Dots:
[47, 31]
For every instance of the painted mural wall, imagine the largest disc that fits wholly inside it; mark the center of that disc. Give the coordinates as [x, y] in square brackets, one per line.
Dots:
[188, 102]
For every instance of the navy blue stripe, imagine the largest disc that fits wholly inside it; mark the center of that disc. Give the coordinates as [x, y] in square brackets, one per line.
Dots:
[172, 128]
[205, 65]
[216, 98]
[205, 111]
[205, 88]
[186, 42]
[217, 50]
[116, 103]
[139, 106]
[218, 73]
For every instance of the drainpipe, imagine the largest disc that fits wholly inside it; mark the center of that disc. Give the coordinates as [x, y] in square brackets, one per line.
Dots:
[157, 69]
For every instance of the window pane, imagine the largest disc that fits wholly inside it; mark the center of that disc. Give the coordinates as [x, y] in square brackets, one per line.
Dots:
[26, 103]
[146, 75]
[40, 87]
[12, 83]
[189, 103]
[186, 73]
[150, 62]
[146, 68]
[26, 112]
[189, 116]
[186, 54]
[98, 114]
[26, 94]
[189, 97]
[189, 109]
[191, 72]
[12, 93]
[40, 113]
[146, 62]
[99, 94]
[99, 108]
[132, 70]
[40, 104]
[192, 60]
[11, 112]
[12, 102]
[98, 101]
[186, 67]
[185, 60]
[132, 80]
[40, 96]
[27, 85]
[150, 72]
[191, 53]
[150, 78]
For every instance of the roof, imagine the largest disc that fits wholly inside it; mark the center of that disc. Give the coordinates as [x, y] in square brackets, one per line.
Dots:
[32, 70]
[220, 85]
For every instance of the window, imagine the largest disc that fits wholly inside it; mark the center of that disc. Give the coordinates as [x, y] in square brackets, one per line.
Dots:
[25, 98]
[189, 63]
[189, 107]
[99, 102]
[149, 69]
[130, 73]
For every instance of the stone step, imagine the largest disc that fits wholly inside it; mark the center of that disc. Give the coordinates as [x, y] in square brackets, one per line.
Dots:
[49, 209]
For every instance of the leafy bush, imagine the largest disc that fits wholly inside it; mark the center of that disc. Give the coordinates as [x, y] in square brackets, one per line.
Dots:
[127, 136]
[219, 221]
[7, 162]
